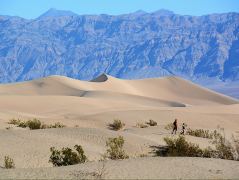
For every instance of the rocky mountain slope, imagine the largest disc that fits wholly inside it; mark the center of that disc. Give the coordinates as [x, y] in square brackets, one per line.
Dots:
[136, 45]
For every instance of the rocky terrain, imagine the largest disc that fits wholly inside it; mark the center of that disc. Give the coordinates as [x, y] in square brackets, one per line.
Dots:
[136, 45]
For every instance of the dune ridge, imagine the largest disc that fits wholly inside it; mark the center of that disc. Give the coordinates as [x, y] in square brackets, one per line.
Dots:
[166, 89]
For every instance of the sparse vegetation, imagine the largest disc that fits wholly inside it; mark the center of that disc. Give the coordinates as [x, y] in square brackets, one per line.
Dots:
[66, 156]
[115, 148]
[14, 121]
[141, 125]
[236, 143]
[152, 123]
[180, 147]
[34, 124]
[224, 149]
[116, 125]
[203, 133]
[56, 125]
[8, 162]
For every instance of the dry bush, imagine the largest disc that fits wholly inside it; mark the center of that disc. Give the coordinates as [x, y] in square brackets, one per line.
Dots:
[152, 123]
[116, 125]
[180, 147]
[224, 149]
[8, 162]
[203, 133]
[34, 124]
[115, 148]
[141, 125]
[14, 121]
[66, 156]
[56, 125]
[236, 145]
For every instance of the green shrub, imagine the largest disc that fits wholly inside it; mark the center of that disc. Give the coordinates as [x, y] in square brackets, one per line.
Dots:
[180, 147]
[34, 124]
[152, 123]
[67, 156]
[115, 148]
[224, 149]
[116, 125]
[8, 162]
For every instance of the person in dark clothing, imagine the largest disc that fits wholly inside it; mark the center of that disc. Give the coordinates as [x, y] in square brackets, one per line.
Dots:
[183, 129]
[175, 126]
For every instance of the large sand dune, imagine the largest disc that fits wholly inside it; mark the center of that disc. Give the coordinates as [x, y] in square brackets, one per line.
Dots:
[92, 105]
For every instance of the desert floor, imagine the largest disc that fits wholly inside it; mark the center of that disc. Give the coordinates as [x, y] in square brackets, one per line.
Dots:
[86, 108]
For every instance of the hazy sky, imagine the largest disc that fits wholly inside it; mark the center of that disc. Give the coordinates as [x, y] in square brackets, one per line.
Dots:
[34, 8]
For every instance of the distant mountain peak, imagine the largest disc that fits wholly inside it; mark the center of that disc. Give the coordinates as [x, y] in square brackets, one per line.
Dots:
[163, 12]
[57, 13]
[140, 12]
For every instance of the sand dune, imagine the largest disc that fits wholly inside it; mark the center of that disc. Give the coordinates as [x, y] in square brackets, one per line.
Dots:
[92, 105]
[159, 88]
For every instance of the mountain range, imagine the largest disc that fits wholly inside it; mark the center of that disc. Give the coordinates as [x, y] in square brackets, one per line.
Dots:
[131, 46]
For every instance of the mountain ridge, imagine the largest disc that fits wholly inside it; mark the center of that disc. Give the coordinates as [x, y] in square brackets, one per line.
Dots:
[130, 46]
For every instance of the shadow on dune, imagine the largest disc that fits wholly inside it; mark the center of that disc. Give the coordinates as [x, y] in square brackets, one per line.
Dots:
[159, 150]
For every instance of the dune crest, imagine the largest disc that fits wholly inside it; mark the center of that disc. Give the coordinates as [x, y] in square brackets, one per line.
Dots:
[170, 89]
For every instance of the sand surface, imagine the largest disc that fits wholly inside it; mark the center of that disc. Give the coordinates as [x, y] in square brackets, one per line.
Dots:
[87, 107]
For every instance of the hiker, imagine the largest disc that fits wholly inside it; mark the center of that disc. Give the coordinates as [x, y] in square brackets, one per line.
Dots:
[175, 126]
[183, 129]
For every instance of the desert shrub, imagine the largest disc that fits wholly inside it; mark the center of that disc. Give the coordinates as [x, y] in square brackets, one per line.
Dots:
[116, 125]
[140, 125]
[209, 153]
[224, 148]
[152, 123]
[236, 143]
[169, 126]
[203, 133]
[115, 148]
[14, 121]
[180, 147]
[66, 156]
[56, 125]
[34, 124]
[8, 162]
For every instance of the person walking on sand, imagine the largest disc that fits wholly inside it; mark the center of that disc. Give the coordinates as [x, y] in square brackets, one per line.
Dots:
[183, 129]
[175, 126]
